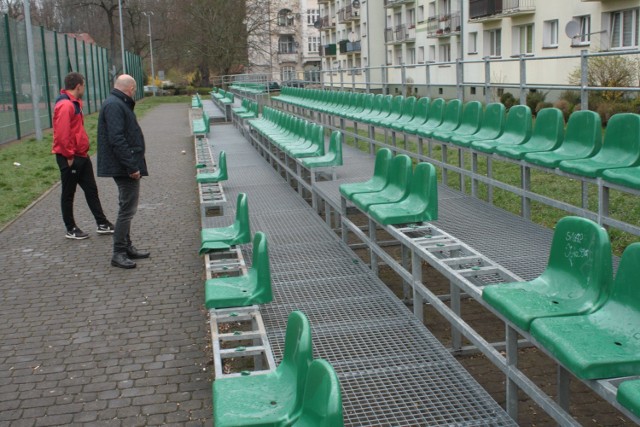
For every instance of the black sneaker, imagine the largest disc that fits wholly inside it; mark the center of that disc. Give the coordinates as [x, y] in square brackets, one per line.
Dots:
[76, 234]
[105, 228]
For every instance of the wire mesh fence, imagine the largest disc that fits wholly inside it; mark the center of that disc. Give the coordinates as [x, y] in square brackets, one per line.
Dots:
[55, 56]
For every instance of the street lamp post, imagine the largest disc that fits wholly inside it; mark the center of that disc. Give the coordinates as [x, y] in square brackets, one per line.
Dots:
[153, 72]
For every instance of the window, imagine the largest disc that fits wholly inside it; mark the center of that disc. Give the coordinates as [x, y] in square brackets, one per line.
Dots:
[312, 16]
[411, 55]
[287, 73]
[411, 18]
[523, 40]
[421, 54]
[420, 13]
[584, 37]
[445, 7]
[432, 53]
[493, 42]
[399, 59]
[473, 43]
[313, 44]
[624, 28]
[285, 18]
[286, 44]
[445, 53]
[432, 9]
[550, 34]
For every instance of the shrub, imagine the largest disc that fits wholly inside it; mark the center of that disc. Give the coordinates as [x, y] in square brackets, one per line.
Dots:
[606, 109]
[508, 100]
[535, 98]
[571, 96]
[566, 107]
[608, 71]
[542, 105]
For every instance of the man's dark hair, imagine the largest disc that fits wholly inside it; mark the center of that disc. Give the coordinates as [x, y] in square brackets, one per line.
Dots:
[72, 80]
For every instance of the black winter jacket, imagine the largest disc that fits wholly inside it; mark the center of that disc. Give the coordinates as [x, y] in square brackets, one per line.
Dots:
[120, 139]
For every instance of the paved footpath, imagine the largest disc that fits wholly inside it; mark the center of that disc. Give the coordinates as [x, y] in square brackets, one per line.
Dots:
[84, 343]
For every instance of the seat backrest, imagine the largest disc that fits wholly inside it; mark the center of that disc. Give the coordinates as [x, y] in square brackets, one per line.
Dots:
[471, 117]
[622, 139]
[222, 166]
[242, 224]
[381, 166]
[298, 353]
[385, 108]
[580, 254]
[549, 125]
[335, 147]
[453, 112]
[518, 121]
[493, 118]
[367, 102]
[421, 109]
[625, 285]
[424, 187]
[400, 172]
[436, 110]
[260, 262]
[322, 400]
[376, 105]
[408, 107]
[396, 105]
[584, 129]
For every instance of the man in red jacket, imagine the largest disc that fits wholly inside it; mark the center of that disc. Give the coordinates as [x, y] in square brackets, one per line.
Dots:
[71, 147]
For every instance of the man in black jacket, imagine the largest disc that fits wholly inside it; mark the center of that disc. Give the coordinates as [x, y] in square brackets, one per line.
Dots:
[121, 156]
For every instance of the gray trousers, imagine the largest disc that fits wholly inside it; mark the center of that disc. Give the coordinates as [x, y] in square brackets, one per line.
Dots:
[128, 195]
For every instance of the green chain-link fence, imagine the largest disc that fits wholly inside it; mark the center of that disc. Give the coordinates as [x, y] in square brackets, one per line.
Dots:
[55, 55]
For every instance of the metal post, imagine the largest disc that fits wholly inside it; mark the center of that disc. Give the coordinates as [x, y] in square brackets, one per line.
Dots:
[373, 257]
[86, 76]
[403, 76]
[124, 66]
[416, 272]
[384, 80]
[564, 383]
[367, 77]
[427, 79]
[341, 77]
[512, 360]
[55, 39]
[35, 98]
[459, 86]
[46, 76]
[12, 77]
[526, 186]
[153, 73]
[523, 80]
[96, 95]
[456, 336]
[584, 71]
[406, 286]
[487, 80]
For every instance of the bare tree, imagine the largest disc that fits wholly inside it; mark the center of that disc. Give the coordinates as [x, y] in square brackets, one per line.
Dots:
[13, 8]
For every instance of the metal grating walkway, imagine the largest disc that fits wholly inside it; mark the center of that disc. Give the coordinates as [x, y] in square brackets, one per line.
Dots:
[393, 372]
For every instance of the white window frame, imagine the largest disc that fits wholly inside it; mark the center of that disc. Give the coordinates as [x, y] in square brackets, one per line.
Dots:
[312, 16]
[287, 72]
[550, 33]
[629, 26]
[313, 44]
[432, 53]
[523, 39]
[420, 13]
[472, 44]
[493, 42]
[444, 53]
[421, 58]
[411, 18]
[411, 55]
[584, 38]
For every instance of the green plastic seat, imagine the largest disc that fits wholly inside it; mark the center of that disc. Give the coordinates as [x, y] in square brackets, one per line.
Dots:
[420, 116]
[219, 175]
[237, 233]
[450, 119]
[377, 181]
[517, 130]
[395, 114]
[546, 136]
[365, 104]
[397, 187]
[603, 343]
[577, 278]
[629, 396]
[271, 400]
[332, 158]
[491, 127]
[420, 205]
[373, 107]
[248, 289]
[627, 177]
[469, 123]
[436, 113]
[582, 139]
[408, 110]
[384, 111]
[322, 402]
[620, 149]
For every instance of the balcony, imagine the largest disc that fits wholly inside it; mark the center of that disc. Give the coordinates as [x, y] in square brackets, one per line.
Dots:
[290, 55]
[400, 34]
[328, 50]
[488, 10]
[349, 47]
[328, 22]
[444, 25]
[325, 1]
[396, 3]
[285, 29]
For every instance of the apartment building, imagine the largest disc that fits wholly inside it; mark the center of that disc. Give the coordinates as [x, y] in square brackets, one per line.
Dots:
[438, 32]
[286, 45]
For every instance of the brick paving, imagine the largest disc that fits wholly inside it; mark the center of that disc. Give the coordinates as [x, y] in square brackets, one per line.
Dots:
[82, 342]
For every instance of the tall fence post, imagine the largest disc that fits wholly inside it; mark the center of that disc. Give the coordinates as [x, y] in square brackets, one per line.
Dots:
[584, 82]
[487, 80]
[86, 75]
[523, 80]
[384, 80]
[341, 77]
[12, 78]
[35, 96]
[459, 86]
[46, 76]
[353, 79]
[403, 77]
[427, 78]
[367, 79]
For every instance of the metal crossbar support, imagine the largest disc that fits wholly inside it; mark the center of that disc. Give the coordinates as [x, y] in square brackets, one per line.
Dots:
[225, 263]
[223, 336]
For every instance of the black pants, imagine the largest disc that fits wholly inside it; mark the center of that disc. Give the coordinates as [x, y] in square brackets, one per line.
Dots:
[79, 173]
[128, 195]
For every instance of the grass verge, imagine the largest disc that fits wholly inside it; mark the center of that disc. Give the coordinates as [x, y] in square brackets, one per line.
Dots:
[28, 169]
